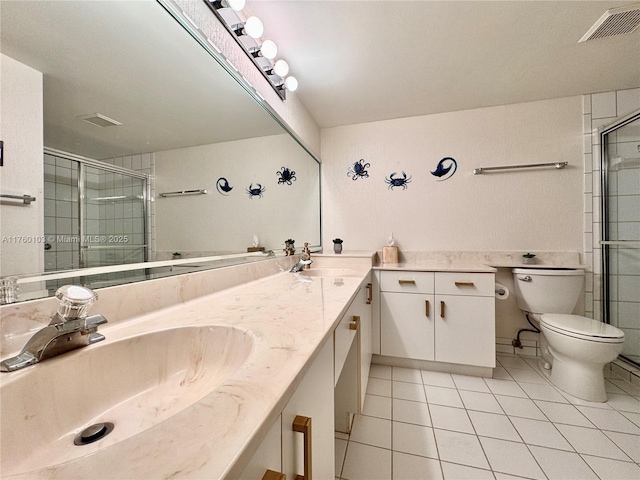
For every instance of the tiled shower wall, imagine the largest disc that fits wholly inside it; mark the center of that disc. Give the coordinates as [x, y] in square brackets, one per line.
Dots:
[600, 110]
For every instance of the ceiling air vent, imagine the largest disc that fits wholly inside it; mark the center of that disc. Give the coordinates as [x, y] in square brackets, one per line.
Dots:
[99, 120]
[616, 21]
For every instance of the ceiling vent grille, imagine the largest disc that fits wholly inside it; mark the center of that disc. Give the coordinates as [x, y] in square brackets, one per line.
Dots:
[99, 120]
[616, 21]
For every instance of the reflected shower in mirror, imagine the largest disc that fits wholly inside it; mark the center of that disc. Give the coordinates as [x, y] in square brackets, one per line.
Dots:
[116, 103]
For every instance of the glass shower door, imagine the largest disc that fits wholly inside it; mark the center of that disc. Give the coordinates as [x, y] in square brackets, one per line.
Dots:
[621, 232]
[113, 213]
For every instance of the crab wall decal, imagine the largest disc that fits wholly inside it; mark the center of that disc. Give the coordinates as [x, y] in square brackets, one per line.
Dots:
[255, 192]
[358, 170]
[286, 176]
[397, 182]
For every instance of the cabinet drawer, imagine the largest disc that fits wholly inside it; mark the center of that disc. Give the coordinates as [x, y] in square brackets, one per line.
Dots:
[343, 338]
[406, 281]
[461, 283]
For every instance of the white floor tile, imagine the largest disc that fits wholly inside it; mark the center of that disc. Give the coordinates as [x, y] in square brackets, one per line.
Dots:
[624, 402]
[591, 442]
[493, 425]
[630, 444]
[610, 420]
[449, 418]
[499, 373]
[626, 386]
[342, 436]
[411, 412]
[378, 386]
[483, 402]
[467, 382]
[543, 434]
[341, 451]
[634, 417]
[438, 379]
[371, 431]
[544, 391]
[520, 407]
[414, 439]
[563, 413]
[505, 387]
[409, 391]
[562, 465]
[511, 361]
[443, 396]
[452, 471]
[522, 375]
[380, 371]
[411, 467]
[585, 403]
[460, 448]
[611, 388]
[608, 469]
[364, 462]
[410, 375]
[376, 406]
[511, 458]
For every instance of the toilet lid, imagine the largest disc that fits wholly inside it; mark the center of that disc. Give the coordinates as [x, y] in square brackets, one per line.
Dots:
[581, 327]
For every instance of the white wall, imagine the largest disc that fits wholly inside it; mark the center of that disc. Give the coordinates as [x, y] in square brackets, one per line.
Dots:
[528, 210]
[214, 223]
[21, 130]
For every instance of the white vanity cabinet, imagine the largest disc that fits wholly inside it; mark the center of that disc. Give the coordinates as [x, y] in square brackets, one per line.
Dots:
[303, 436]
[438, 316]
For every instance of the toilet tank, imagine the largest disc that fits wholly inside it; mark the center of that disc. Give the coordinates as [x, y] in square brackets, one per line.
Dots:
[547, 290]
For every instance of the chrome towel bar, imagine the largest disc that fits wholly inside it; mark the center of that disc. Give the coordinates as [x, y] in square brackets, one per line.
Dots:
[556, 165]
[26, 199]
[184, 192]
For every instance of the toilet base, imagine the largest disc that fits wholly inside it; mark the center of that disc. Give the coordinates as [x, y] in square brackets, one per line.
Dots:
[585, 382]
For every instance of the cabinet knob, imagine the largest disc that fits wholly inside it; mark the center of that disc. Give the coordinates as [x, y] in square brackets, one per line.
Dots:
[441, 309]
[464, 284]
[271, 475]
[303, 425]
[355, 323]
[406, 282]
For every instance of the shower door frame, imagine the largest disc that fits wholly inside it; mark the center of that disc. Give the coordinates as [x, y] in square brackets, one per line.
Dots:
[83, 163]
[604, 241]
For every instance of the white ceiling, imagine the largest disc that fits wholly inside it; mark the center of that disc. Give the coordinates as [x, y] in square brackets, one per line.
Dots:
[362, 61]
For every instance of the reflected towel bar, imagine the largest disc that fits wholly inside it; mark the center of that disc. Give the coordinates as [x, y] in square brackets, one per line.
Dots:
[556, 165]
[26, 199]
[184, 192]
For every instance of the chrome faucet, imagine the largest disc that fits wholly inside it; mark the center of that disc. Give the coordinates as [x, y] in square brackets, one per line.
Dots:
[304, 262]
[70, 328]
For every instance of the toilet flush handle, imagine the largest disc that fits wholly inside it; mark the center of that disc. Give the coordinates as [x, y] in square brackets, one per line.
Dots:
[526, 278]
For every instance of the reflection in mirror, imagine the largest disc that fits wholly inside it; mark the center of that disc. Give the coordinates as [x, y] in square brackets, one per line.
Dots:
[108, 105]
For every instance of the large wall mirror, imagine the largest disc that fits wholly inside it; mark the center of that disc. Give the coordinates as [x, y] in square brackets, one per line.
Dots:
[137, 147]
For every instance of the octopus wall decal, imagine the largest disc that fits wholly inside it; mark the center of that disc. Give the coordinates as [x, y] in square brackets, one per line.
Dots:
[358, 170]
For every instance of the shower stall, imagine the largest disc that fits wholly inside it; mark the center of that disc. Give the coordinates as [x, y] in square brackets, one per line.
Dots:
[620, 145]
[95, 213]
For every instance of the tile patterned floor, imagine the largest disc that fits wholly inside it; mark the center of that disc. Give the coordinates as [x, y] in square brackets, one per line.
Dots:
[431, 425]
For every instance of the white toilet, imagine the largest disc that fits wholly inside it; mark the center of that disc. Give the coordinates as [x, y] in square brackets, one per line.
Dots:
[577, 348]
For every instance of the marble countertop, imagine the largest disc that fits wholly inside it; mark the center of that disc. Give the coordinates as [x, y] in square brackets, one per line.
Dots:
[437, 267]
[289, 317]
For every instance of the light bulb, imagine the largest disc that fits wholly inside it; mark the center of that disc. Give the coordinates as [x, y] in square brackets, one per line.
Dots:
[281, 68]
[253, 27]
[236, 5]
[269, 49]
[291, 84]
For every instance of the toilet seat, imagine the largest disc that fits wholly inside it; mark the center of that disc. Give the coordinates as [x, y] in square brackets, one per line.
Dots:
[583, 328]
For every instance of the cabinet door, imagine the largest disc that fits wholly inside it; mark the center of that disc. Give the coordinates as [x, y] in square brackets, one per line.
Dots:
[313, 399]
[407, 325]
[268, 456]
[465, 330]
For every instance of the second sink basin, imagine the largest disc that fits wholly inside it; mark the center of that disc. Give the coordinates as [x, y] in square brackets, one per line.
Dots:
[134, 383]
[330, 272]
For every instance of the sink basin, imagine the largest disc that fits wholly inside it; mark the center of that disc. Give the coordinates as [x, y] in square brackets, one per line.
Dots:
[330, 272]
[134, 383]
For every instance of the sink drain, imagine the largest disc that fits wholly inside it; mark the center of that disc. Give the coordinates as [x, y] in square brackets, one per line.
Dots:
[93, 433]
